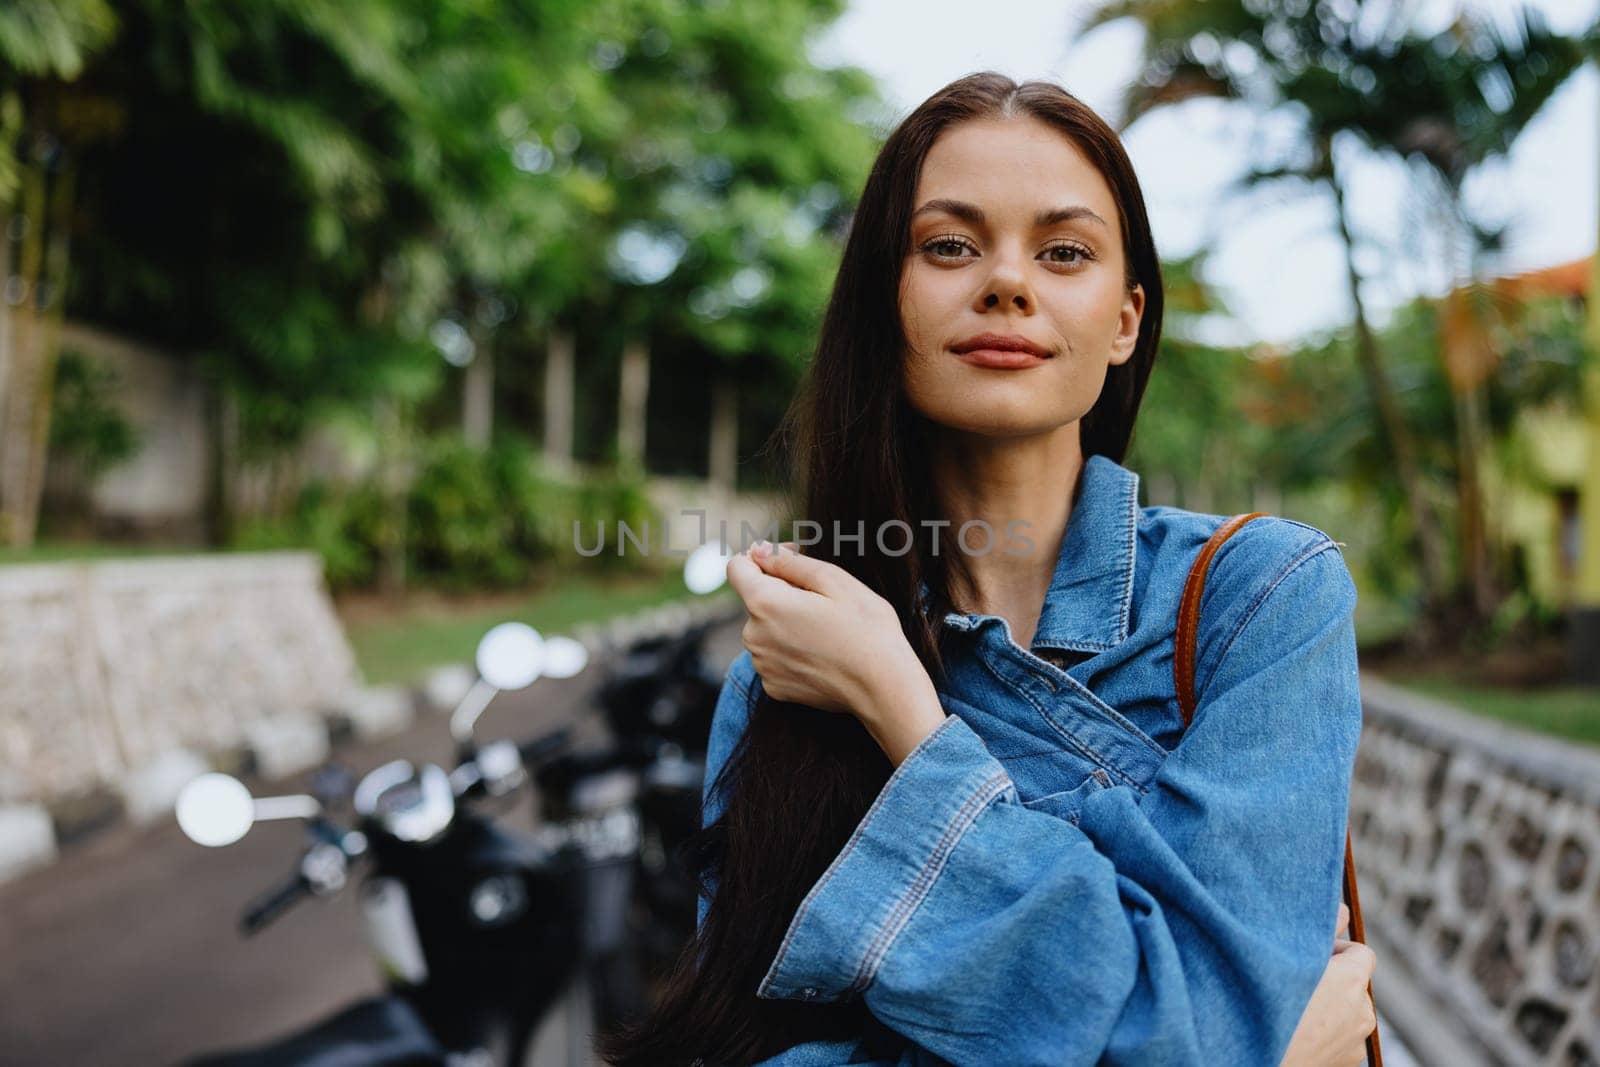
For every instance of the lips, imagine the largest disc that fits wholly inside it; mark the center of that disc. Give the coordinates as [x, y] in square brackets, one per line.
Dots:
[1000, 342]
[1001, 351]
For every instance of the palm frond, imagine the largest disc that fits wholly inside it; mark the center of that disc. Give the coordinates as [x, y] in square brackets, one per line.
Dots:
[53, 38]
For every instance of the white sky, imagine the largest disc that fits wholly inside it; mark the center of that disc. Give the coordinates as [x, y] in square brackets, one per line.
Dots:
[1275, 258]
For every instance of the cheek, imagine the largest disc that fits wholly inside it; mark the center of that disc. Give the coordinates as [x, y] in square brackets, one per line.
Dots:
[1088, 315]
[921, 309]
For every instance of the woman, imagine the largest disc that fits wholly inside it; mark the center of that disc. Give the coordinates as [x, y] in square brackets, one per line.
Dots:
[949, 817]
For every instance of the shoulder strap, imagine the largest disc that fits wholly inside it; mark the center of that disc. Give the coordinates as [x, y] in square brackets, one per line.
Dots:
[1183, 655]
[1189, 614]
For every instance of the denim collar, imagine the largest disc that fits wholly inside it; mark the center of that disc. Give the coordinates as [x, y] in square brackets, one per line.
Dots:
[1091, 592]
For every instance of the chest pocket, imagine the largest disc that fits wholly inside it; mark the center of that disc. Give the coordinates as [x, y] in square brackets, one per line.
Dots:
[1067, 803]
[1049, 775]
[1056, 738]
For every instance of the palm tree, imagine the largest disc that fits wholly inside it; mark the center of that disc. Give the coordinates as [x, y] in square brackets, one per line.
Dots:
[1481, 87]
[1449, 99]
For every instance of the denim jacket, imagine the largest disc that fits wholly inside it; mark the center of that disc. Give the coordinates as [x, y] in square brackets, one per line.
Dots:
[1059, 873]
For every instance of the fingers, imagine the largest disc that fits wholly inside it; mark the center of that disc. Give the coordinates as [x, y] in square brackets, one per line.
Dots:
[1341, 930]
[755, 587]
[783, 561]
[1356, 960]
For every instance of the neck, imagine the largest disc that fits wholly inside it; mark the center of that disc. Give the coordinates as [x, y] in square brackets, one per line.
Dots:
[1025, 481]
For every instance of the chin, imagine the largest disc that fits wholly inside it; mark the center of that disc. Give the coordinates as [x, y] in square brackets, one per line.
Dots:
[1000, 420]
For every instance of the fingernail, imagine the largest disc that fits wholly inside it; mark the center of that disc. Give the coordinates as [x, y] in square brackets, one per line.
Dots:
[761, 548]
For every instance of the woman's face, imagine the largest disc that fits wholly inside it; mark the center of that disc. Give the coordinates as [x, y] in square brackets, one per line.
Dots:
[1016, 233]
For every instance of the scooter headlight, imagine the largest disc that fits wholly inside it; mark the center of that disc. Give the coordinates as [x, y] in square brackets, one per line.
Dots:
[497, 900]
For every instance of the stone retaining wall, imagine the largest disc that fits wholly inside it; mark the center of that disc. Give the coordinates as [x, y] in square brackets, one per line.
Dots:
[108, 666]
[1479, 853]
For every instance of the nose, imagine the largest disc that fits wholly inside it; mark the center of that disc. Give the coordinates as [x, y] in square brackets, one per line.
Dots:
[993, 300]
[1007, 283]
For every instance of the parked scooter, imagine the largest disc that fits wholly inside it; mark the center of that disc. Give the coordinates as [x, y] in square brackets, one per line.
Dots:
[658, 698]
[478, 930]
[501, 949]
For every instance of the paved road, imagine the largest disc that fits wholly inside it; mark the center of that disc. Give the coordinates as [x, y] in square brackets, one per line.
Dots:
[124, 952]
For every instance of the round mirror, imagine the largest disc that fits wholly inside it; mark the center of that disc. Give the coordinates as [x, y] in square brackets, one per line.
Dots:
[564, 657]
[706, 569]
[215, 810]
[511, 656]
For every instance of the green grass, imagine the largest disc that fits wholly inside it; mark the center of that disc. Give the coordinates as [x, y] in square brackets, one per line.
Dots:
[1568, 712]
[399, 646]
[74, 551]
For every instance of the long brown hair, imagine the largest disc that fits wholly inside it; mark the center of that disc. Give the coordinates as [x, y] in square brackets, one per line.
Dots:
[800, 780]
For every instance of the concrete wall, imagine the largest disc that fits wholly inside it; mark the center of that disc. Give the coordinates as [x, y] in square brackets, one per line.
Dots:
[162, 486]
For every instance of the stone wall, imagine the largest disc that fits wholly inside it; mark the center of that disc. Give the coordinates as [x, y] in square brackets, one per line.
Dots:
[1479, 853]
[110, 665]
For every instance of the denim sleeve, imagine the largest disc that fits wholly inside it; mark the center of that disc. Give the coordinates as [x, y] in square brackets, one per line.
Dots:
[1185, 924]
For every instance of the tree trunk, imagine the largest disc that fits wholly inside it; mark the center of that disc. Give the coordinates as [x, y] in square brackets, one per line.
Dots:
[724, 459]
[394, 475]
[1467, 348]
[5, 316]
[559, 401]
[1475, 557]
[52, 305]
[477, 398]
[16, 459]
[1430, 541]
[222, 503]
[633, 397]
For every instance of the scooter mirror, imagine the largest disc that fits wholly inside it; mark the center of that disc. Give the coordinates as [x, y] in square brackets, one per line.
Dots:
[511, 656]
[706, 569]
[215, 810]
[564, 657]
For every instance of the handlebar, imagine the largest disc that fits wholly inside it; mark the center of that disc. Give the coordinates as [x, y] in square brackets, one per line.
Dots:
[542, 748]
[272, 904]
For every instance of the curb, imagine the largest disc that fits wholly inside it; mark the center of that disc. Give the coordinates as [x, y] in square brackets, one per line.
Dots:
[27, 839]
[287, 743]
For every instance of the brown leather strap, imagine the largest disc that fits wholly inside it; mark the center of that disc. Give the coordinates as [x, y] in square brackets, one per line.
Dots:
[1185, 643]
[1189, 615]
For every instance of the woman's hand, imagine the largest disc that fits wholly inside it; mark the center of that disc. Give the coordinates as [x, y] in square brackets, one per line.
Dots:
[818, 636]
[1334, 1027]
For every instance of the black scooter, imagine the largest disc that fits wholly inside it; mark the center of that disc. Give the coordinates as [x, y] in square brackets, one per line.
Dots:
[500, 948]
[480, 932]
[658, 701]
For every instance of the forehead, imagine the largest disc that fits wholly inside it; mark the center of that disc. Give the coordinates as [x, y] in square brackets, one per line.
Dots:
[1012, 168]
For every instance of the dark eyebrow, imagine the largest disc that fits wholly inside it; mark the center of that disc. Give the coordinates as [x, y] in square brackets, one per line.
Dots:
[974, 214]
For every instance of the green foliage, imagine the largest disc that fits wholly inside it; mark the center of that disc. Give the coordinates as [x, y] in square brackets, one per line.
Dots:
[53, 37]
[462, 531]
[86, 426]
[372, 169]
[344, 526]
[474, 519]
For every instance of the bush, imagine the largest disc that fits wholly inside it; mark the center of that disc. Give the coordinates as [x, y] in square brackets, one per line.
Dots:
[344, 526]
[86, 425]
[475, 519]
[462, 529]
